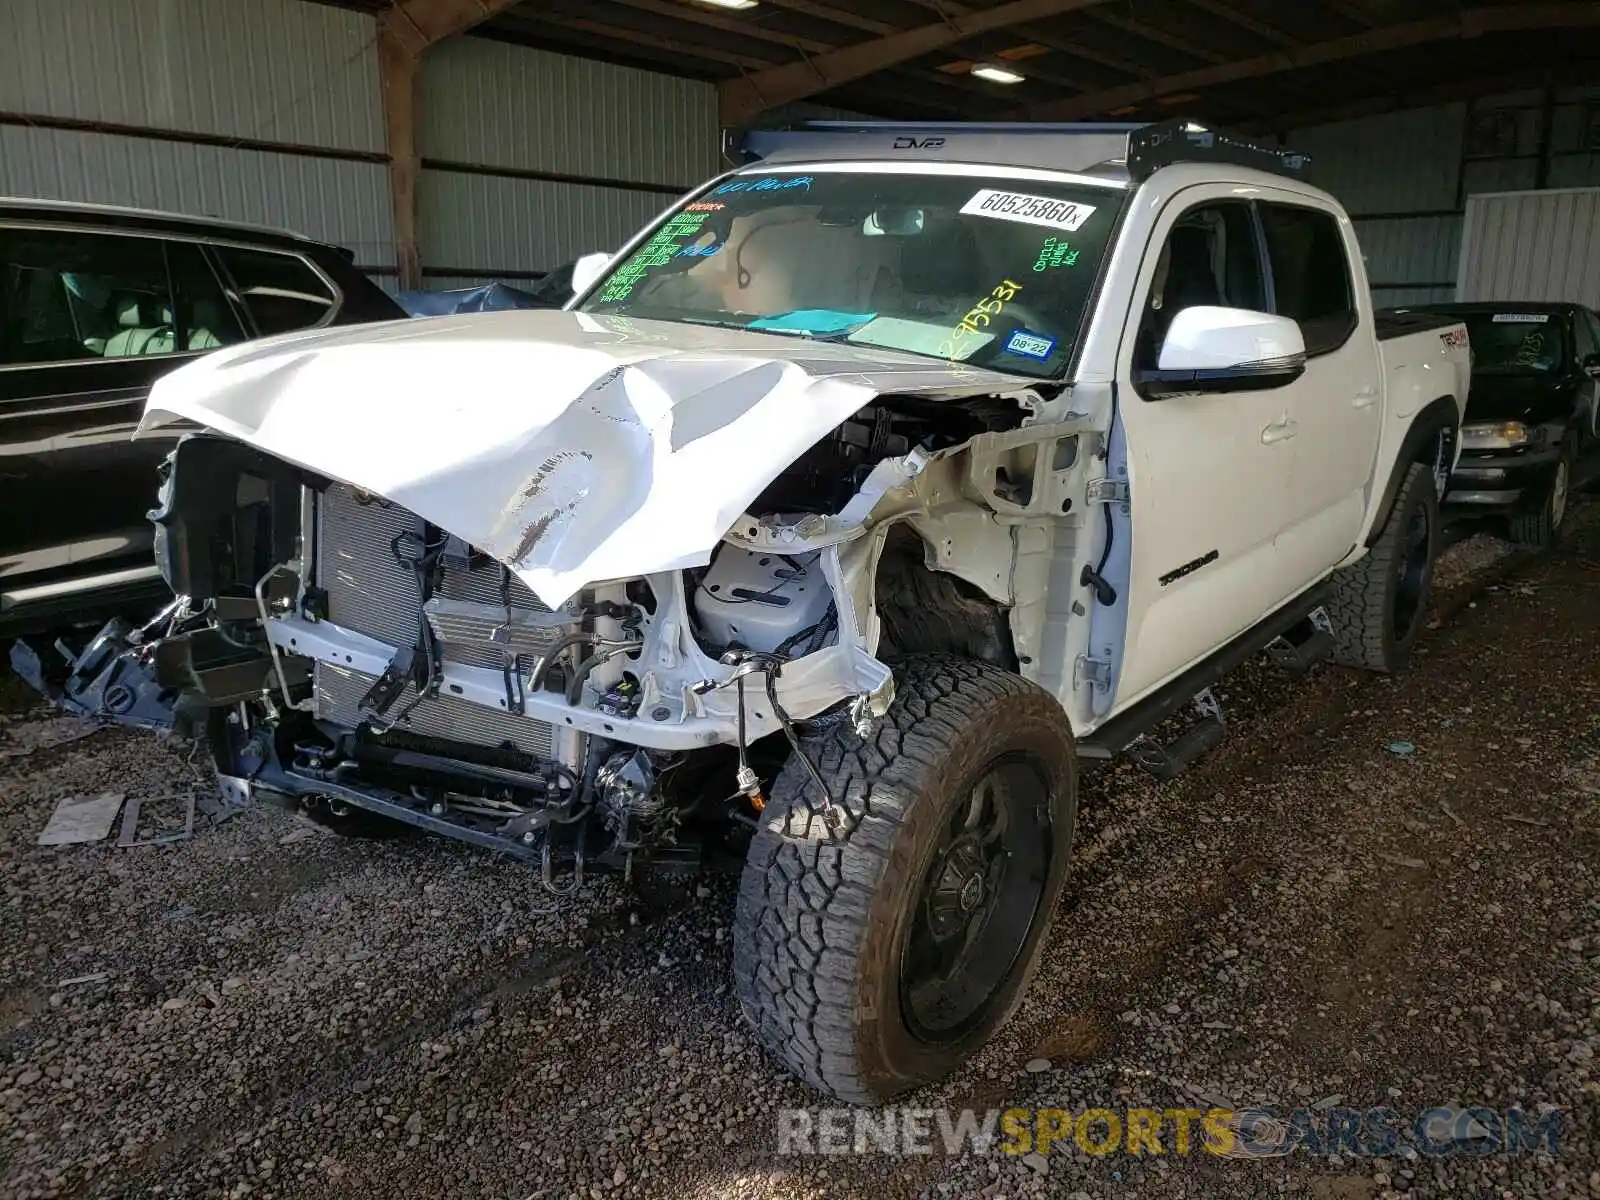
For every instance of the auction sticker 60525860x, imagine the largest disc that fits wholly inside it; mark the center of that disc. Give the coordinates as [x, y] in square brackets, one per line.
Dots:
[1030, 210]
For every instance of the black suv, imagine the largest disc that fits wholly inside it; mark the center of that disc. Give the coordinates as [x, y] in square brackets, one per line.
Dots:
[96, 304]
[1532, 430]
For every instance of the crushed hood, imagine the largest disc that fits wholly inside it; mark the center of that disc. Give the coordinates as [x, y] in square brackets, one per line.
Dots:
[573, 448]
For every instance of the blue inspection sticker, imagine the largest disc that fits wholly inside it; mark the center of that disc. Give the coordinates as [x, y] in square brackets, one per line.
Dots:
[1030, 345]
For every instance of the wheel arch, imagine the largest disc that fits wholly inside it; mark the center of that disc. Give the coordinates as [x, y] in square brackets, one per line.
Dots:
[1431, 439]
[923, 610]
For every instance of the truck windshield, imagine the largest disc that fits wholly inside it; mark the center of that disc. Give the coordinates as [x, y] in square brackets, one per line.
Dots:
[990, 271]
[1515, 343]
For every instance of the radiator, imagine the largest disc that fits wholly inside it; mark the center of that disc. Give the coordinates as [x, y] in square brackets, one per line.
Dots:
[371, 592]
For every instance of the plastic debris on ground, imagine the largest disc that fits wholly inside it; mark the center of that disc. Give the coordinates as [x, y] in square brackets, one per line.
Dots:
[79, 819]
[174, 820]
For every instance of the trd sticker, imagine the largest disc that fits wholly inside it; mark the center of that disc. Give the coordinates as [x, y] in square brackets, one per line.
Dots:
[1030, 345]
[1030, 210]
[1522, 318]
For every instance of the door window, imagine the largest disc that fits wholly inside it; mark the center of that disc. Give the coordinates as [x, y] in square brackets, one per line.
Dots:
[1210, 257]
[1310, 274]
[281, 291]
[68, 295]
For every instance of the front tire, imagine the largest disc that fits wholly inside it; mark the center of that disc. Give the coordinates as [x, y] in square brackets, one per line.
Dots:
[876, 960]
[1542, 529]
[1379, 603]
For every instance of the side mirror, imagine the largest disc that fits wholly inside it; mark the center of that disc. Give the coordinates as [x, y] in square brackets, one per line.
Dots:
[587, 271]
[1211, 350]
[1591, 364]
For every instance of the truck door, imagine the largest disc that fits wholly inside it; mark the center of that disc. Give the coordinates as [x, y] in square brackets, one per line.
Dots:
[1208, 473]
[1336, 409]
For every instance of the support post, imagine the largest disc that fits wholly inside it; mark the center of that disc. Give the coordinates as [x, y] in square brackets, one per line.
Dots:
[398, 67]
[406, 31]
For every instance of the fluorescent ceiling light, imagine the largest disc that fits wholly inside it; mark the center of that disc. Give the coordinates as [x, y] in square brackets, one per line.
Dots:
[730, 3]
[997, 74]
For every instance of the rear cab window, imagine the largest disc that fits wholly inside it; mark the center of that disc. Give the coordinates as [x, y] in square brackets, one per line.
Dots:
[1311, 277]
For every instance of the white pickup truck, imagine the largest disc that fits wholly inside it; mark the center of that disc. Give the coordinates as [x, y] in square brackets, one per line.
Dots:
[852, 504]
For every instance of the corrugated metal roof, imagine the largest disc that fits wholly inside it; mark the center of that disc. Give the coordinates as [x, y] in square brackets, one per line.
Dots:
[346, 203]
[274, 69]
[509, 106]
[1532, 246]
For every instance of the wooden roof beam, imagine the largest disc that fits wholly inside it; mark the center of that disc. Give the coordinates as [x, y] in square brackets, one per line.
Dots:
[742, 99]
[728, 23]
[1249, 24]
[412, 26]
[1466, 24]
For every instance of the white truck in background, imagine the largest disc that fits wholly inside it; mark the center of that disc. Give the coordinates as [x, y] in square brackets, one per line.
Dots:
[877, 483]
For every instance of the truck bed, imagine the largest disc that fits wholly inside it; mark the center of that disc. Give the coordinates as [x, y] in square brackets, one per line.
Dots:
[1398, 322]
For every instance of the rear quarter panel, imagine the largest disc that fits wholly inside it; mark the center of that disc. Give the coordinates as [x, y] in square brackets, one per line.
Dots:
[1419, 369]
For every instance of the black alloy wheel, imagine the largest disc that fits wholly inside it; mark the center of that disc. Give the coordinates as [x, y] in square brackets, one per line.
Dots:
[979, 901]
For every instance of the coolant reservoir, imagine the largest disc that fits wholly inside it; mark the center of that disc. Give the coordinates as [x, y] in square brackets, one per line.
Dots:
[759, 599]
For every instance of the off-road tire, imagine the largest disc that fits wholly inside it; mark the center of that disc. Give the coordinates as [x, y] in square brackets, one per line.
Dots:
[1542, 529]
[1365, 594]
[822, 920]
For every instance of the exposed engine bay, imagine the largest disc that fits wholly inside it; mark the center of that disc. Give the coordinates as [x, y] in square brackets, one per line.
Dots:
[340, 649]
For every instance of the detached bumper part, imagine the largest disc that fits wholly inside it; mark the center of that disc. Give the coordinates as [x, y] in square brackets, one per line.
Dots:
[112, 680]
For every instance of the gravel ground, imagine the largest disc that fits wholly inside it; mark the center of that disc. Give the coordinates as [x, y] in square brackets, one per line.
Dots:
[269, 1010]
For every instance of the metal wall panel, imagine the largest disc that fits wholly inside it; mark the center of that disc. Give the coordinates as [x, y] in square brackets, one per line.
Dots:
[487, 224]
[1532, 246]
[1500, 175]
[346, 203]
[1575, 170]
[1409, 250]
[1397, 162]
[509, 106]
[281, 70]
[1411, 162]
[1405, 297]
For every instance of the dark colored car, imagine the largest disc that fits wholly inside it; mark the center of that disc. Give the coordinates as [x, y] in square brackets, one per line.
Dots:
[1532, 429]
[96, 304]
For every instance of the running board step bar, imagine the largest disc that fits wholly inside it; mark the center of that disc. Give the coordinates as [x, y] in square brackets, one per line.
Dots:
[1169, 760]
[1308, 643]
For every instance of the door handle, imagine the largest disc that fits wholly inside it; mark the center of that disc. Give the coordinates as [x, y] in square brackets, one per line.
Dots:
[1279, 431]
[1366, 397]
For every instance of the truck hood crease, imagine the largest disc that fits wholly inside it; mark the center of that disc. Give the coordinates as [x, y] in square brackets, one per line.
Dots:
[573, 448]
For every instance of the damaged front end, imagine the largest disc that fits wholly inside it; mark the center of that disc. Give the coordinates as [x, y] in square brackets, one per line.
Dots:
[343, 648]
[354, 656]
